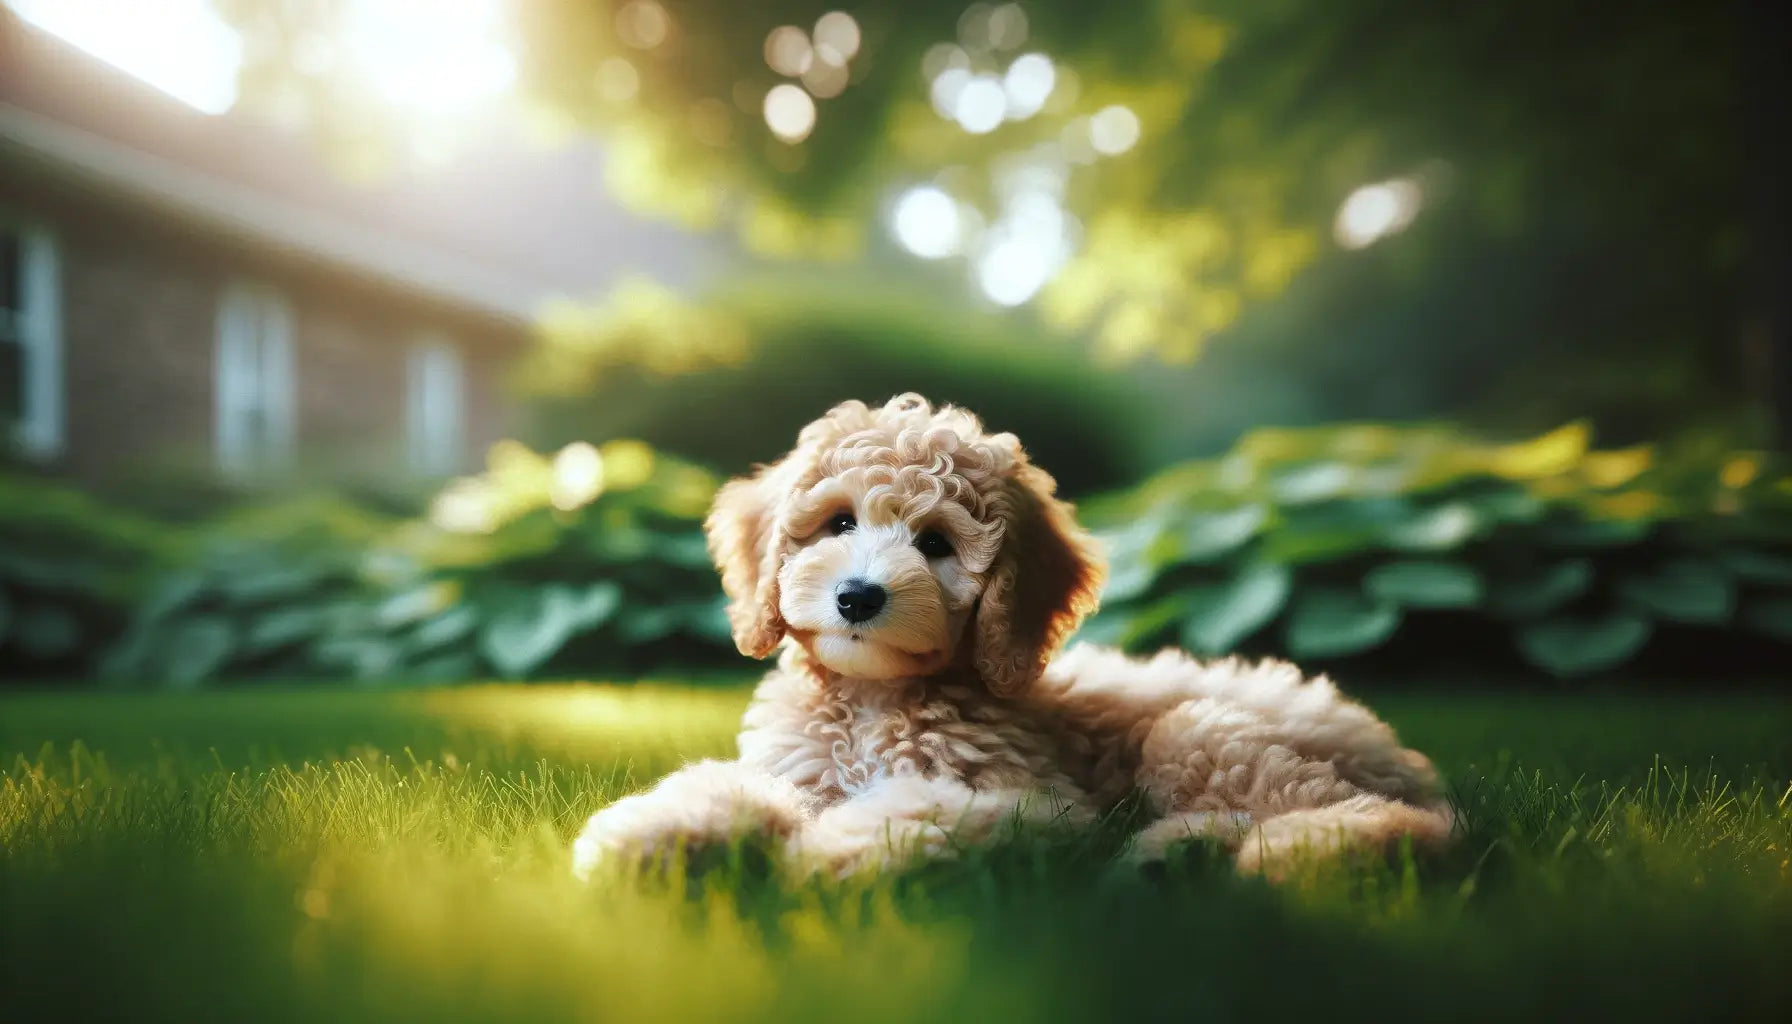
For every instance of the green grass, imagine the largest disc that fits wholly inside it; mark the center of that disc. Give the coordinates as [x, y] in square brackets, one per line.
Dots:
[373, 856]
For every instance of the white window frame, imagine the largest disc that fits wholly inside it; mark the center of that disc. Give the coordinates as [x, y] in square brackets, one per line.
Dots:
[253, 379]
[41, 430]
[435, 407]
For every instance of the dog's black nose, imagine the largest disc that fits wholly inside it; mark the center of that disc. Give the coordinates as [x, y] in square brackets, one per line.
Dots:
[859, 600]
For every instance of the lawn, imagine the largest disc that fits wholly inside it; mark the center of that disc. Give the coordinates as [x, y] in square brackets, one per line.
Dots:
[354, 855]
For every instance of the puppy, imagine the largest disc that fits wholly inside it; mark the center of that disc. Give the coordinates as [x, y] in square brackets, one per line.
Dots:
[917, 577]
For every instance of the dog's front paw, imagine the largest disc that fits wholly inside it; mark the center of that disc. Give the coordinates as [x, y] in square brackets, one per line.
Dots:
[839, 848]
[1193, 837]
[707, 806]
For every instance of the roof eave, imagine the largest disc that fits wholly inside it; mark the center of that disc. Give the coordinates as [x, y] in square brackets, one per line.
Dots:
[248, 217]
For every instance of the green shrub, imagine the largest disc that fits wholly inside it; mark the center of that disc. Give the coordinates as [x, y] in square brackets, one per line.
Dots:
[1419, 544]
[566, 584]
[730, 382]
[71, 569]
[270, 590]
[590, 561]
[1407, 547]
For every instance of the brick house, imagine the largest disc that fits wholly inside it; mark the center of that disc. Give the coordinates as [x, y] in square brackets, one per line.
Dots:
[180, 290]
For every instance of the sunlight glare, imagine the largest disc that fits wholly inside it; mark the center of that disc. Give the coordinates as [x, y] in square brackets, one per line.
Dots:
[419, 56]
[181, 47]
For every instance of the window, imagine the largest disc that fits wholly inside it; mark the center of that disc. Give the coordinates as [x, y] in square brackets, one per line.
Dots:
[254, 385]
[30, 340]
[436, 407]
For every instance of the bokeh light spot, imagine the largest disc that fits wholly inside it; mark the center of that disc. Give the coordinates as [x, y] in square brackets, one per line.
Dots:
[1011, 271]
[463, 507]
[1076, 142]
[1028, 85]
[789, 112]
[1376, 211]
[1114, 130]
[837, 37]
[578, 476]
[973, 28]
[1028, 245]
[943, 57]
[787, 51]
[617, 80]
[981, 105]
[643, 24]
[948, 85]
[1007, 27]
[926, 222]
[825, 80]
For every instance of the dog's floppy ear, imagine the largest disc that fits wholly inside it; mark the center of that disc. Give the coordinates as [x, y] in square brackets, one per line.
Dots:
[1046, 578]
[744, 544]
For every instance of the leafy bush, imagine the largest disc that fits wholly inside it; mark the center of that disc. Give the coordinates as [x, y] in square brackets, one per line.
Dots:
[589, 561]
[269, 591]
[1421, 543]
[1409, 546]
[70, 571]
[729, 382]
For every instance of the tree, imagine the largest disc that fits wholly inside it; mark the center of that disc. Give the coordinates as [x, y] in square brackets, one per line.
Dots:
[1193, 156]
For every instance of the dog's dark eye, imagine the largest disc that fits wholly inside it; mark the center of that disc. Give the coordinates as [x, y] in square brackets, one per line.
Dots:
[841, 522]
[933, 544]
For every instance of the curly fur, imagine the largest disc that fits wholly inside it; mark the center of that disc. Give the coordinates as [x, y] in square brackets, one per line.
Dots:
[952, 714]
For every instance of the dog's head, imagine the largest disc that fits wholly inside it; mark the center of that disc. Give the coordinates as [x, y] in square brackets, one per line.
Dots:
[892, 537]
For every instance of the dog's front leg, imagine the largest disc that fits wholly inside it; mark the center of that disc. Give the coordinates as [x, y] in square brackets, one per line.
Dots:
[911, 818]
[703, 806]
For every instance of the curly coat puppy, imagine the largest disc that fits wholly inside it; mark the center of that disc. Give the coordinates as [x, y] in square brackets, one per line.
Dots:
[921, 577]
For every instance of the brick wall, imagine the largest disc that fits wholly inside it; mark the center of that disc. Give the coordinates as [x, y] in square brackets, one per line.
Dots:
[140, 298]
[136, 338]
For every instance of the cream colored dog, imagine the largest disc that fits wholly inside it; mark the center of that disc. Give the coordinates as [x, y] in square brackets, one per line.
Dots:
[921, 577]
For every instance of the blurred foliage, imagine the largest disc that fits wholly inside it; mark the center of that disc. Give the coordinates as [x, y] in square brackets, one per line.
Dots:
[641, 326]
[730, 379]
[1257, 119]
[70, 570]
[1400, 546]
[588, 561]
[1510, 337]
[1423, 545]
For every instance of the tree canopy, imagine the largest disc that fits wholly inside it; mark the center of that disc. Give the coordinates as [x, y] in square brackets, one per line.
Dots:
[1145, 172]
